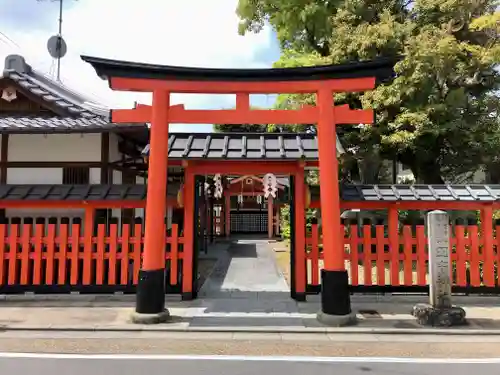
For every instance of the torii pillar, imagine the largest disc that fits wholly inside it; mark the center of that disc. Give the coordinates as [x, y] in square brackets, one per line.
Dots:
[335, 294]
[150, 297]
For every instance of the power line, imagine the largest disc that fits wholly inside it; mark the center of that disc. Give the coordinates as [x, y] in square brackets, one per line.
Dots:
[7, 40]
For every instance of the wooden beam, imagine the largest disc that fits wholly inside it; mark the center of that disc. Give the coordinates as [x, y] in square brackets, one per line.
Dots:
[229, 167]
[346, 115]
[243, 101]
[228, 87]
[67, 204]
[141, 113]
[4, 155]
[244, 115]
[223, 116]
[51, 164]
[105, 158]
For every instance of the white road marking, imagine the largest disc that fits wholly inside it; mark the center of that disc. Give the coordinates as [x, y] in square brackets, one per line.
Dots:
[253, 358]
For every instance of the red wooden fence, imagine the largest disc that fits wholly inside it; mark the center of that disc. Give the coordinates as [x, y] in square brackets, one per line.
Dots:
[52, 254]
[401, 258]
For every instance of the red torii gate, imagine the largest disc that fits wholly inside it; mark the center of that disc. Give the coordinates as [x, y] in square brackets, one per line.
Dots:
[164, 80]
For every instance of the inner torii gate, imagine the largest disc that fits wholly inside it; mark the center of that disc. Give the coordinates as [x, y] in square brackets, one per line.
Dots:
[161, 81]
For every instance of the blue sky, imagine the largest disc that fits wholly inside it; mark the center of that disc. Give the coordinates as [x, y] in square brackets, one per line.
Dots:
[187, 32]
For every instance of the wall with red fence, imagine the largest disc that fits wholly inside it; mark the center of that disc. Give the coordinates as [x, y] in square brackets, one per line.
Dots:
[51, 257]
[380, 258]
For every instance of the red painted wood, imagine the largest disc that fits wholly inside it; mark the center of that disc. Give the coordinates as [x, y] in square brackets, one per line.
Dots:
[228, 87]
[380, 260]
[62, 254]
[75, 253]
[2, 252]
[113, 253]
[124, 254]
[367, 254]
[353, 254]
[475, 258]
[174, 254]
[50, 255]
[25, 252]
[408, 243]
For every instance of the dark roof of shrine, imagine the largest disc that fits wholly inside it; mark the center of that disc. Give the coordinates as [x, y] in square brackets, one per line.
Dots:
[249, 146]
[407, 193]
[351, 193]
[381, 68]
[75, 192]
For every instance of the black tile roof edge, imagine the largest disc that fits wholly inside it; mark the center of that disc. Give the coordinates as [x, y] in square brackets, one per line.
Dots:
[382, 69]
[354, 192]
[242, 135]
[94, 128]
[138, 192]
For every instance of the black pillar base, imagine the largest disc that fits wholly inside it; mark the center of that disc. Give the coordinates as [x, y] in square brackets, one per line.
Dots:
[335, 294]
[187, 296]
[299, 297]
[150, 297]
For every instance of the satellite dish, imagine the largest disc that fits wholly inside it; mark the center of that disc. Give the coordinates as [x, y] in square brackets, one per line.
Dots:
[57, 46]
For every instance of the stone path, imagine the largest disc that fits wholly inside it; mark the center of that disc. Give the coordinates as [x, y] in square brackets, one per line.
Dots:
[248, 265]
[244, 312]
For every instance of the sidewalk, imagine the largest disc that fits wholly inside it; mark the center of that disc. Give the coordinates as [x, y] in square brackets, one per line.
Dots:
[272, 312]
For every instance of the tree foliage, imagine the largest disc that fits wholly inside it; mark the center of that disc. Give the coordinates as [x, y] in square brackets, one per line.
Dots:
[237, 128]
[439, 116]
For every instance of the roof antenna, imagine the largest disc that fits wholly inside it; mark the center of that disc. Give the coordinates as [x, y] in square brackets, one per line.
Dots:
[56, 45]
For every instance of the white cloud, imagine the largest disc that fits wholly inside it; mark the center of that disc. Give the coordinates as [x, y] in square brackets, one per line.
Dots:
[174, 32]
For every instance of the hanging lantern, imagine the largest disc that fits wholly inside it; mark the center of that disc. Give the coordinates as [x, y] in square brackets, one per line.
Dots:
[270, 185]
[218, 189]
[180, 196]
[308, 196]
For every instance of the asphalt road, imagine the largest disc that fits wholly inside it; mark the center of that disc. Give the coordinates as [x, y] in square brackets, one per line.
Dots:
[212, 365]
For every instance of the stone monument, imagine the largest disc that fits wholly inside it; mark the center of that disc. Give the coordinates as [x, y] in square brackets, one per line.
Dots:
[440, 311]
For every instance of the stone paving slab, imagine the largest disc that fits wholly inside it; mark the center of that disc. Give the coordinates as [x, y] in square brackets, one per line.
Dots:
[236, 270]
[235, 315]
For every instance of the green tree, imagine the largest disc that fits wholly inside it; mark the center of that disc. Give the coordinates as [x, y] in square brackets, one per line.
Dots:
[241, 128]
[246, 128]
[439, 116]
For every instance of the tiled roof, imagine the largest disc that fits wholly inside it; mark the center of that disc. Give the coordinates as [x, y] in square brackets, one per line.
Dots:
[242, 146]
[13, 124]
[388, 193]
[76, 192]
[76, 113]
[352, 193]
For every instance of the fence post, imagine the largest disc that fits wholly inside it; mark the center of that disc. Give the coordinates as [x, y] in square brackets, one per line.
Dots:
[393, 221]
[487, 234]
[439, 312]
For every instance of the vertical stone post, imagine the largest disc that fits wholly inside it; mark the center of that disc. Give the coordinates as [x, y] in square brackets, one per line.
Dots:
[438, 232]
[439, 311]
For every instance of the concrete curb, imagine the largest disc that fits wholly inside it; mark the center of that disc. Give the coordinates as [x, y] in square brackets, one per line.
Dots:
[261, 330]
